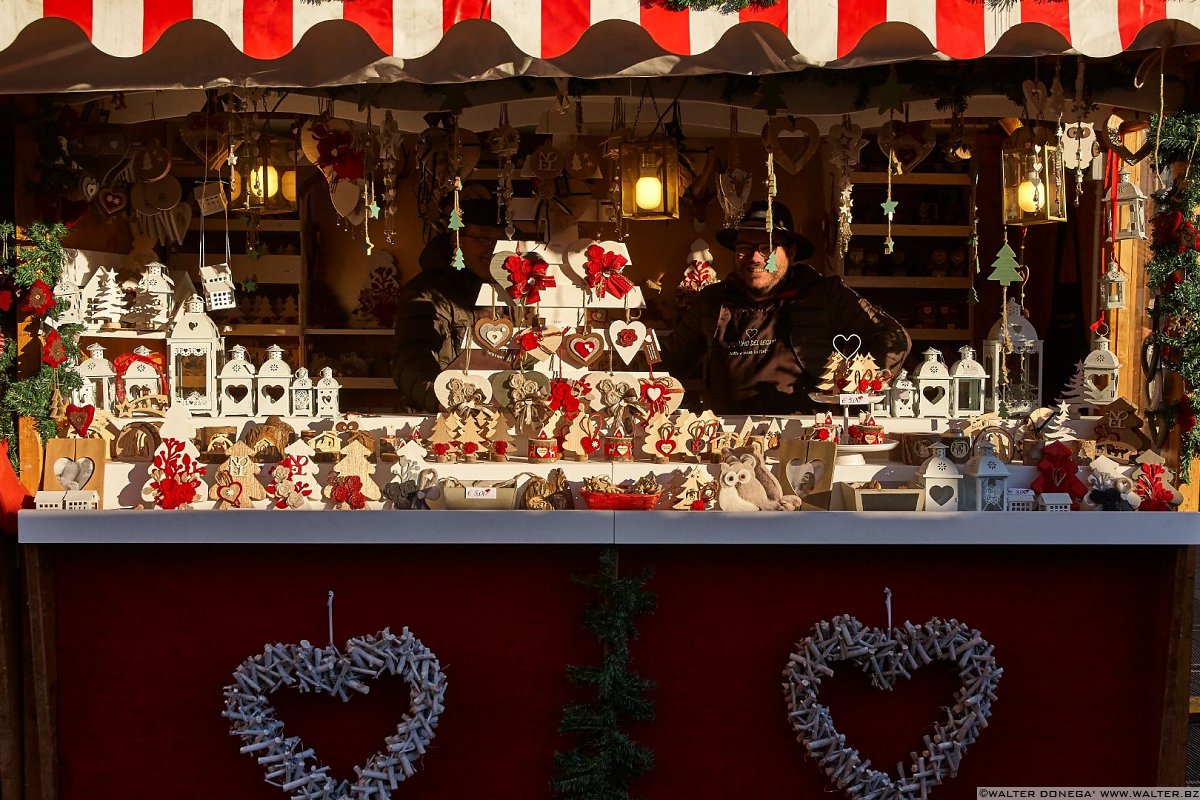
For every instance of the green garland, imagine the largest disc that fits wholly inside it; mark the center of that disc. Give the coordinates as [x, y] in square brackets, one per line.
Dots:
[606, 760]
[37, 257]
[1175, 274]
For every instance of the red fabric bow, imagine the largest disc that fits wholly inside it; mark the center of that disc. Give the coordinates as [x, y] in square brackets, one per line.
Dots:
[528, 277]
[1057, 473]
[604, 272]
[336, 150]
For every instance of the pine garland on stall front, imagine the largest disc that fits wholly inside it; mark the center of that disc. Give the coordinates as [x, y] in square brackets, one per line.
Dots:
[30, 268]
[1174, 268]
[606, 760]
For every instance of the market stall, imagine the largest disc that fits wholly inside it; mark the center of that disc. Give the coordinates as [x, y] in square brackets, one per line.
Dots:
[213, 366]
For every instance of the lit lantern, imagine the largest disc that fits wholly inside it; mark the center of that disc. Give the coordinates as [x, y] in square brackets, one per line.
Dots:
[986, 487]
[967, 378]
[1013, 364]
[1033, 182]
[98, 376]
[264, 178]
[649, 180]
[1112, 288]
[1129, 217]
[940, 480]
[1101, 371]
[192, 346]
[932, 381]
[902, 396]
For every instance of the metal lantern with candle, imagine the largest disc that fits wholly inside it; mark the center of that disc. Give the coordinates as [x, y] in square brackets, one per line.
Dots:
[1128, 216]
[264, 178]
[649, 180]
[1112, 288]
[1013, 361]
[1101, 371]
[1033, 177]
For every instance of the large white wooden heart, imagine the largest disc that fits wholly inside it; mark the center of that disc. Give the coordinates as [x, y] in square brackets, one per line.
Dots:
[626, 338]
[296, 769]
[885, 656]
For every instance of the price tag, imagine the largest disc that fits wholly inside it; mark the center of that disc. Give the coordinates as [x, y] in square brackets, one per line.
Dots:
[854, 399]
[480, 492]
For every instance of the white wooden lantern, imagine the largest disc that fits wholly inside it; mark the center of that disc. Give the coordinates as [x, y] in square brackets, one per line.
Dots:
[327, 394]
[940, 480]
[141, 378]
[1101, 371]
[98, 376]
[902, 396]
[192, 346]
[1014, 375]
[217, 280]
[237, 384]
[932, 381]
[968, 379]
[1112, 288]
[304, 398]
[273, 383]
[986, 487]
[156, 292]
[1129, 215]
[67, 289]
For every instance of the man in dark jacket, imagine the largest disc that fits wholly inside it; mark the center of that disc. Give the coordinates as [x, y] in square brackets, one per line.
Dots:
[759, 340]
[436, 308]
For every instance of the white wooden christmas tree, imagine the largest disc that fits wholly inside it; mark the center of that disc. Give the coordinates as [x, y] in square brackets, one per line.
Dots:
[153, 304]
[105, 299]
[176, 475]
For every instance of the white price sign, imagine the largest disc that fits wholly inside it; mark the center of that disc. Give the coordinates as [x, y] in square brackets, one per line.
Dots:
[854, 399]
[481, 492]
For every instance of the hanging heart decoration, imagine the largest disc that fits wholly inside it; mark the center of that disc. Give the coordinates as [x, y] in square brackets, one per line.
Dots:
[540, 343]
[454, 388]
[909, 142]
[661, 394]
[626, 338]
[528, 276]
[885, 656]
[847, 346]
[494, 335]
[112, 201]
[779, 128]
[583, 349]
[1113, 132]
[297, 769]
[80, 418]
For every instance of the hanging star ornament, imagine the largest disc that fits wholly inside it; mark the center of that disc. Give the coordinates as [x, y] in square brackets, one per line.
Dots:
[250, 285]
[889, 208]
[367, 247]
[373, 210]
[231, 159]
[892, 94]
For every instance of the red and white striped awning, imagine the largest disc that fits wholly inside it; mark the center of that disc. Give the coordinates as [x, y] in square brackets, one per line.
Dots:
[386, 39]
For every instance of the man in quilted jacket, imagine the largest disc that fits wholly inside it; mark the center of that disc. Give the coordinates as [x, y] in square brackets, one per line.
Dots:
[758, 341]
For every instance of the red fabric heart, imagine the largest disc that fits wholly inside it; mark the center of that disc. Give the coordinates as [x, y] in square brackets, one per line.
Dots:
[80, 418]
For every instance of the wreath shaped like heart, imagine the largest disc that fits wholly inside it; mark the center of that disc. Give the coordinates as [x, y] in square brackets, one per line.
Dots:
[296, 769]
[885, 656]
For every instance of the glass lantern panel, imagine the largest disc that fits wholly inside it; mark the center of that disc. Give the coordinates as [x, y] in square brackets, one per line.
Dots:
[191, 373]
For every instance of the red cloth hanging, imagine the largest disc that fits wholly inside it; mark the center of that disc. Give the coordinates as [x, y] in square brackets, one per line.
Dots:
[13, 494]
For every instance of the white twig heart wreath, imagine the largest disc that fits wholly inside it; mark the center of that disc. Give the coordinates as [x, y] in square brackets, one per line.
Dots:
[296, 769]
[884, 656]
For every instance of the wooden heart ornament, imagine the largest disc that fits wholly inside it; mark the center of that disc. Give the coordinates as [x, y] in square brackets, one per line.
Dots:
[1113, 132]
[80, 419]
[297, 769]
[494, 335]
[627, 338]
[779, 128]
[910, 142]
[583, 349]
[454, 387]
[111, 201]
[885, 656]
[847, 346]
[73, 474]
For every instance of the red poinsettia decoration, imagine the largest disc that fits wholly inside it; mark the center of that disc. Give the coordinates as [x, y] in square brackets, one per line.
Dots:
[39, 299]
[1151, 487]
[347, 491]
[54, 350]
[528, 276]
[336, 151]
[604, 274]
[1170, 228]
[1186, 416]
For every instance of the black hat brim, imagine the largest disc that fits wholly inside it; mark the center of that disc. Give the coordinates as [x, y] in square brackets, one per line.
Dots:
[727, 238]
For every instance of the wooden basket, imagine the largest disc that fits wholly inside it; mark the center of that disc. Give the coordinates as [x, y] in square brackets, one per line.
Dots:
[619, 501]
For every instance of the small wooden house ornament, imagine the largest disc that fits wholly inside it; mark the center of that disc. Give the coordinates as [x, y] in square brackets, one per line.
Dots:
[327, 390]
[273, 383]
[141, 377]
[236, 483]
[326, 445]
[217, 282]
[304, 394]
[236, 383]
[940, 480]
[192, 346]
[986, 484]
[1054, 501]
[98, 378]
[932, 381]
[967, 380]
[270, 439]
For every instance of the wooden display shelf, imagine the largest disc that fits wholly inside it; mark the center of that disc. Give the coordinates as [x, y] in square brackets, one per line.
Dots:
[864, 229]
[123, 334]
[939, 334]
[886, 282]
[217, 223]
[259, 329]
[367, 383]
[914, 179]
[349, 332]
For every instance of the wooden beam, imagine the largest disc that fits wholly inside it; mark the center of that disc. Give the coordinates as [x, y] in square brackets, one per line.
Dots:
[1173, 739]
[11, 728]
[39, 582]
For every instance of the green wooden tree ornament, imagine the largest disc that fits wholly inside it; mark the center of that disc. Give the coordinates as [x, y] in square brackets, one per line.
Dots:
[771, 266]
[459, 262]
[1005, 267]
[456, 222]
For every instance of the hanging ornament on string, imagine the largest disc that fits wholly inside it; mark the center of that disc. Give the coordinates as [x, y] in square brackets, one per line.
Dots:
[390, 148]
[973, 241]
[504, 142]
[733, 185]
[456, 226]
[771, 267]
[845, 142]
[889, 205]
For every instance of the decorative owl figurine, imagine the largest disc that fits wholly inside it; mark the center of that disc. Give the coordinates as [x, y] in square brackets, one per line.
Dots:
[734, 476]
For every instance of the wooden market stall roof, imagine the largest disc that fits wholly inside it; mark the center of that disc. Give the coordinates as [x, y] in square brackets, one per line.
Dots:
[80, 45]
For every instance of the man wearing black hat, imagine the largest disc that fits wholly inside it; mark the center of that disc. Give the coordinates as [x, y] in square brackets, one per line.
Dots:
[759, 340]
[436, 308]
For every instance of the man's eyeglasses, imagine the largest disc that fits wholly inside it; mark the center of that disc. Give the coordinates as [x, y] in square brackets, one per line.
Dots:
[745, 250]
